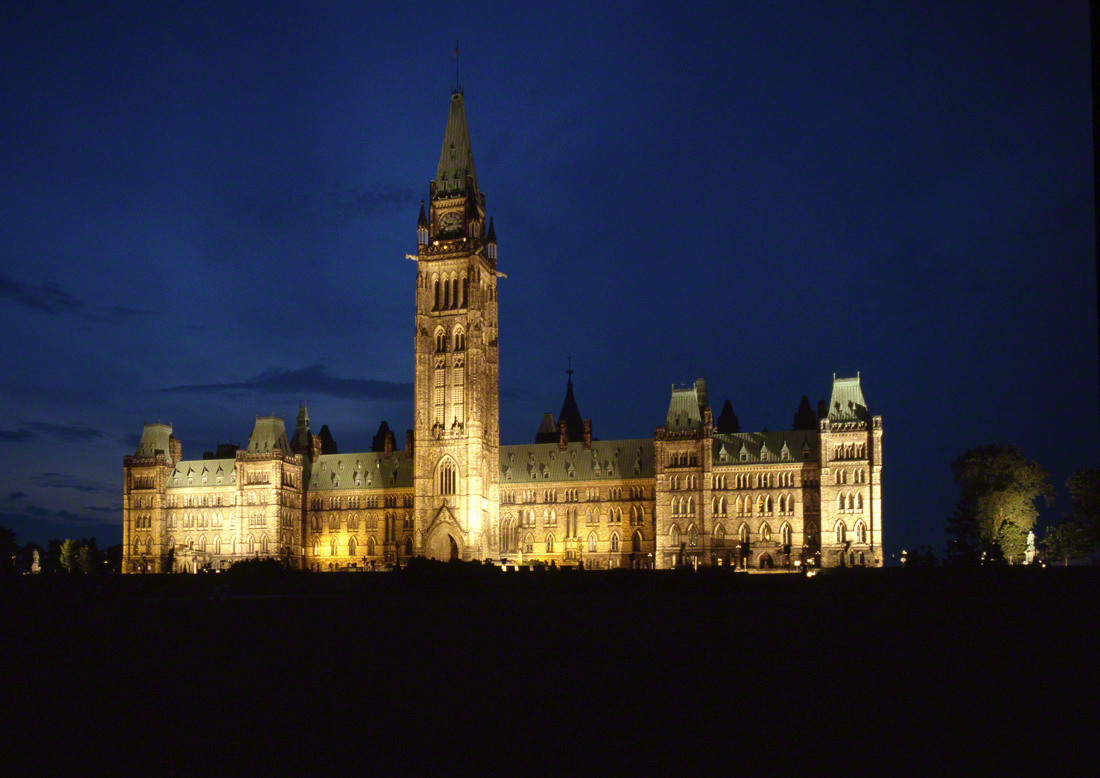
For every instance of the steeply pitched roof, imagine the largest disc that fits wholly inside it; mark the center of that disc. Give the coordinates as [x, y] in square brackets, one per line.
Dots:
[189, 473]
[765, 447]
[847, 403]
[685, 409]
[456, 159]
[547, 463]
[366, 470]
[268, 435]
[154, 440]
[571, 414]
[548, 430]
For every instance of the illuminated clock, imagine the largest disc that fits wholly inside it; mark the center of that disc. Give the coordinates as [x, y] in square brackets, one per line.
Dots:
[450, 222]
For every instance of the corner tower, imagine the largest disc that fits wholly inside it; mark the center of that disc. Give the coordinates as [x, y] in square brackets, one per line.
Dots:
[456, 456]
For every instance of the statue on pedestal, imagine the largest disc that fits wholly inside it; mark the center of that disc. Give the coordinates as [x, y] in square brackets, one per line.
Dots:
[34, 563]
[1030, 547]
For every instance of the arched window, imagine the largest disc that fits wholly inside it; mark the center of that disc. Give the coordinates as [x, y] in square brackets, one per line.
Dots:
[743, 533]
[785, 533]
[447, 477]
[614, 542]
[760, 503]
[202, 543]
[861, 532]
[316, 547]
[591, 542]
[841, 532]
[550, 544]
[674, 536]
[840, 502]
[370, 546]
[851, 502]
[859, 502]
[440, 341]
[691, 506]
[435, 306]
[765, 533]
[251, 544]
[721, 506]
[811, 534]
[693, 536]
[460, 340]
[719, 536]
[408, 546]
[636, 542]
[351, 546]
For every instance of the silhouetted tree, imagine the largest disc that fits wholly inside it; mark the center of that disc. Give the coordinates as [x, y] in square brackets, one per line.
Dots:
[1084, 490]
[9, 551]
[998, 488]
[1068, 540]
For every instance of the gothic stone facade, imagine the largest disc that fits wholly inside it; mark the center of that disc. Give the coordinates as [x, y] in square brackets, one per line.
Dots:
[696, 493]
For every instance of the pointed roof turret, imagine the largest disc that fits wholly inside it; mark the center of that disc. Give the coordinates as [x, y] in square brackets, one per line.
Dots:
[570, 413]
[727, 422]
[804, 417]
[492, 236]
[301, 443]
[422, 222]
[456, 159]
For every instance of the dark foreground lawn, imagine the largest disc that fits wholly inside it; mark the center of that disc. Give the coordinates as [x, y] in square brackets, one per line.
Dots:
[882, 671]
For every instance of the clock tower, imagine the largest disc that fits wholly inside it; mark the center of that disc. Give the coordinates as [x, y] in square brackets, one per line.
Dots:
[456, 442]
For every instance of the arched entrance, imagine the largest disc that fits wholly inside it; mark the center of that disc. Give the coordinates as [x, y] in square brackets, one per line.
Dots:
[443, 544]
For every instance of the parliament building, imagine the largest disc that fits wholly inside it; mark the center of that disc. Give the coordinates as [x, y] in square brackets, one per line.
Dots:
[698, 492]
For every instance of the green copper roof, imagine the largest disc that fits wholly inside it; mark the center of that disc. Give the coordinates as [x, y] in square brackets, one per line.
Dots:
[189, 473]
[368, 470]
[547, 463]
[456, 160]
[269, 435]
[154, 440]
[765, 447]
[847, 403]
[685, 409]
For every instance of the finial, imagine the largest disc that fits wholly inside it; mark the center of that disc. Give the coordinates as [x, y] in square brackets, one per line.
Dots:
[569, 371]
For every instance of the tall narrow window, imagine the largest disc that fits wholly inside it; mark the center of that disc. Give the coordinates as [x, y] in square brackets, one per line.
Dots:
[459, 398]
[439, 391]
[447, 478]
[435, 307]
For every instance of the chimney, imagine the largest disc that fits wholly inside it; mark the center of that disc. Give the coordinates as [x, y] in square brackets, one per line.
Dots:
[175, 448]
[587, 434]
[408, 443]
[388, 450]
[315, 447]
[563, 435]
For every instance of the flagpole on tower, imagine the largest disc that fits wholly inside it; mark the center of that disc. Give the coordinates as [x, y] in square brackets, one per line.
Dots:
[457, 82]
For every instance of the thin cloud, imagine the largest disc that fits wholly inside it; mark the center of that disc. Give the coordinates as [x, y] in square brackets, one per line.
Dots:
[52, 298]
[99, 509]
[305, 382]
[63, 481]
[15, 436]
[17, 495]
[65, 431]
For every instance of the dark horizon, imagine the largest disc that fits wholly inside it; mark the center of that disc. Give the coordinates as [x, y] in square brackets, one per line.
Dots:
[208, 212]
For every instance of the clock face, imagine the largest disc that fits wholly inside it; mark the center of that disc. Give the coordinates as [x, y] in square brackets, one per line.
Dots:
[450, 222]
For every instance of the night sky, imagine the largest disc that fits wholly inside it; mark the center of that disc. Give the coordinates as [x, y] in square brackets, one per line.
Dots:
[205, 209]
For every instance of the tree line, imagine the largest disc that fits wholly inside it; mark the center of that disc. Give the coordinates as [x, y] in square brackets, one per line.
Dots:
[59, 556]
[998, 491]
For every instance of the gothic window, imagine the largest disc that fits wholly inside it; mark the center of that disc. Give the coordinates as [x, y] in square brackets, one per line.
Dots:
[447, 478]
[528, 544]
[549, 544]
[840, 502]
[693, 536]
[332, 547]
[351, 546]
[851, 502]
[861, 532]
[691, 506]
[370, 546]
[614, 542]
[592, 543]
[440, 341]
[251, 544]
[465, 291]
[719, 536]
[785, 533]
[674, 536]
[765, 533]
[811, 534]
[636, 542]
[454, 292]
[859, 502]
[743, 533]
[841, 532]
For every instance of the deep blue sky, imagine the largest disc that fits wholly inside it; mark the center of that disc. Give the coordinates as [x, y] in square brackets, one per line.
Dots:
[204, 213]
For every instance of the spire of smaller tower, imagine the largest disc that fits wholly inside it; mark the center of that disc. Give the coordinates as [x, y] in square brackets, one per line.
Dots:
[491, 238]
[570, 414]
[422, 227]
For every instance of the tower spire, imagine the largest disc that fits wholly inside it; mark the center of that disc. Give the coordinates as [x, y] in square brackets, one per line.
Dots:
[456, 158]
